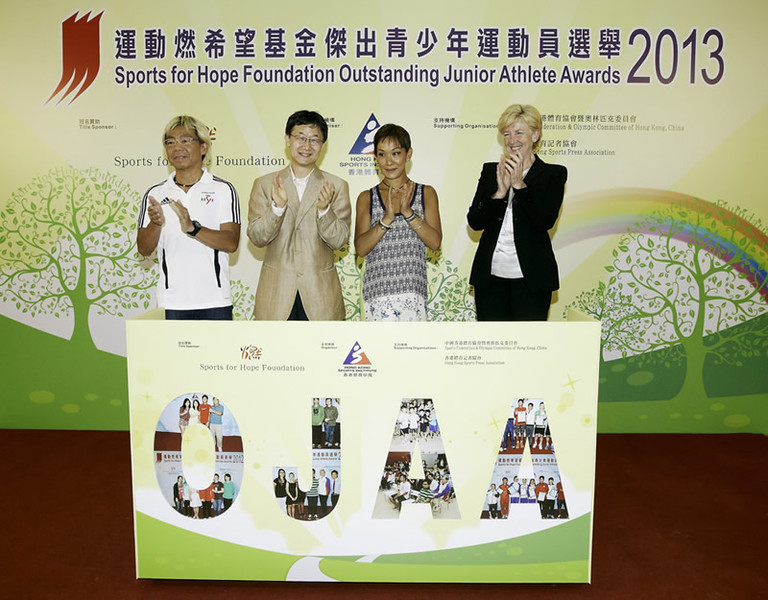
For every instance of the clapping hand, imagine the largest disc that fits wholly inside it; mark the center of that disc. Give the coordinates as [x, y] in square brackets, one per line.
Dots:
[509, 173]
[325, 196]
[184, 219]
[279, 195]
[155, 212]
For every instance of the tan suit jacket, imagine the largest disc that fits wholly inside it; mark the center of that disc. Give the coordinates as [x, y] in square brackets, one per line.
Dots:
[300, 248]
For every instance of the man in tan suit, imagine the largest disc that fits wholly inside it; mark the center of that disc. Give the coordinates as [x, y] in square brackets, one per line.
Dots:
[301, 214]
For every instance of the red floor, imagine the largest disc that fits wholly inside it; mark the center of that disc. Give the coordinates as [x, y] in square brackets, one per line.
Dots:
[676, 516]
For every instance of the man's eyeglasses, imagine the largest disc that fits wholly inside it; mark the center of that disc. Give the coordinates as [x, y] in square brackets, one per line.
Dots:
[302, 140]
[184, 141]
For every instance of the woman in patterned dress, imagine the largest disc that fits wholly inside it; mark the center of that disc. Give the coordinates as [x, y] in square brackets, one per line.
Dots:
[396, 221]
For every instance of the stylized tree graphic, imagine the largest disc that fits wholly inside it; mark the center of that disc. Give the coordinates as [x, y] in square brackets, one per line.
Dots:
[590, 302]
[349, 267]
[67, 245]
[243, 298]
[686, 272]
[449, 298]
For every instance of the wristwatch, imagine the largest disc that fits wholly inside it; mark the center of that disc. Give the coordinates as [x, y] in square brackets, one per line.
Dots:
[197, 228]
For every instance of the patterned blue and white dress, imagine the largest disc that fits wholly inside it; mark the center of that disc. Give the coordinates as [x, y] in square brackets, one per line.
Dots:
[395, 277]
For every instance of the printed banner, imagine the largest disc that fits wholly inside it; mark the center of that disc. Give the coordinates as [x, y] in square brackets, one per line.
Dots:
[662, 235]
[364, 451]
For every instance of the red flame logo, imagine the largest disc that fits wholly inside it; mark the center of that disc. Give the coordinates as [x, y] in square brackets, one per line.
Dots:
[80, 54]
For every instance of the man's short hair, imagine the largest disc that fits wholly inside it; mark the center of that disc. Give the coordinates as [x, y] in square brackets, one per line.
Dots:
[197, 127]
[307, 117]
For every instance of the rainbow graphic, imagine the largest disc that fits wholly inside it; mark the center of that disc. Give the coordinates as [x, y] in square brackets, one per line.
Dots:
[716, 228]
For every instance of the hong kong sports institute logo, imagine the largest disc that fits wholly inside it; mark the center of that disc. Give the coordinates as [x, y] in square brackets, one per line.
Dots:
[80, 55]
[357, 363]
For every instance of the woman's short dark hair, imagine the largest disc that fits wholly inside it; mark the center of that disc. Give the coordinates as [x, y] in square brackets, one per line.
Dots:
[390, 131]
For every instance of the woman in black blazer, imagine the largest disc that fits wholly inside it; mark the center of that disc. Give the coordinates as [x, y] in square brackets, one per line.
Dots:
[516, 203]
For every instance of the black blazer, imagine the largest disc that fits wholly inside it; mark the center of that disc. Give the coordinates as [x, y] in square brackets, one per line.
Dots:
[535, 210]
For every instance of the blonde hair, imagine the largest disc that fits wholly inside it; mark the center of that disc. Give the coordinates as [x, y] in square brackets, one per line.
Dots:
[199, 128]
[527, 113]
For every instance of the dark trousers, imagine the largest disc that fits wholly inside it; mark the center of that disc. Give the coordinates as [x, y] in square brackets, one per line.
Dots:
[312, 502]
[222, 313]
[511, 300]
[297, 312]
